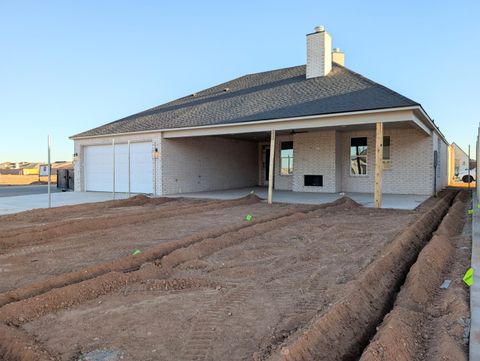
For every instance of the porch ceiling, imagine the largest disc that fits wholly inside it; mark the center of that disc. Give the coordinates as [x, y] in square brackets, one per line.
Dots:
[265, 136]
[348, 122]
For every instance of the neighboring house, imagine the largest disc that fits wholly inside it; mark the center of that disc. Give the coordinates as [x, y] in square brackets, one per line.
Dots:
[31, 169]
[461, 159]
[7, 165]
[322, 116]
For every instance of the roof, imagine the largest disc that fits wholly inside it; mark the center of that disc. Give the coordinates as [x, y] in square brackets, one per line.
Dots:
[282, 93]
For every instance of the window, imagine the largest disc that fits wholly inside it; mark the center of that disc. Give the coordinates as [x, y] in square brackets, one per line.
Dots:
[358, 156]
[386, 153]
[286, 158]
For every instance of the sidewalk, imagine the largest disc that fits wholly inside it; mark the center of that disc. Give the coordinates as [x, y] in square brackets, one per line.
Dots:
[9, 205]
[475, 288]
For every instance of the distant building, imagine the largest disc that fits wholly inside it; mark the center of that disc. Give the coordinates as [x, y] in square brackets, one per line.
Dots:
[461, 159]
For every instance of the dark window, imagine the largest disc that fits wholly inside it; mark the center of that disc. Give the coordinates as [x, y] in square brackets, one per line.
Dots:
[386, 152]
[313, 180]
[286, 158]
[358, 156]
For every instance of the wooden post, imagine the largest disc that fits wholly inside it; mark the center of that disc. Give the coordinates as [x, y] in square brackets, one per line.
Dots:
[113, 167]
[378, 165]
[129, 172]
[270, 168]
[451, 164]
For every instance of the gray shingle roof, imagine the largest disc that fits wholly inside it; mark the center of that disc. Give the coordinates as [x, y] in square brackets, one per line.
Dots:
[282, 93]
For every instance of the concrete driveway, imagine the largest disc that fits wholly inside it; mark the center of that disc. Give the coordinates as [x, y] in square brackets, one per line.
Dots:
[11, 191]
[9, 205]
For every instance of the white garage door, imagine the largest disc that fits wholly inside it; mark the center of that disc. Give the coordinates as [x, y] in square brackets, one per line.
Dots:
[98, 166]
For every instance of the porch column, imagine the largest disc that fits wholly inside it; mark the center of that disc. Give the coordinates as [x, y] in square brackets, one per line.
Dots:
[378, 165]
[451, 164]
[270, 166]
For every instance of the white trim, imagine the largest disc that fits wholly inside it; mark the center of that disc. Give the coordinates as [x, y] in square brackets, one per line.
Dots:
[264, 122]
[297, 123]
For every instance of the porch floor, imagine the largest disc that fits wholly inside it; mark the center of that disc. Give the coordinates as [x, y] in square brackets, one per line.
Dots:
[395, 201]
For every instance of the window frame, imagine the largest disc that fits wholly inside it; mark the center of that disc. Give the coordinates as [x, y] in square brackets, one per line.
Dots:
[350, 157]
[291, 161]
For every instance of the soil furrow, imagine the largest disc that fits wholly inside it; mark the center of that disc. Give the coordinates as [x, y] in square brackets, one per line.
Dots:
[130, 263]
[342, 331]
[404, 334]
[40, 234]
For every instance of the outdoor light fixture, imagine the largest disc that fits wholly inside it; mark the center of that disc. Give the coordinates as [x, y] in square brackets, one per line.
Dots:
[156, 153]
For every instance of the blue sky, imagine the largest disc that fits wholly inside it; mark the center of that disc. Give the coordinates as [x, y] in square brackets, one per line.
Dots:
[69, 66]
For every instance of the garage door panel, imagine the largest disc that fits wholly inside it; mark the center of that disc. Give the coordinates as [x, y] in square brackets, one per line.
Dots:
[98, 168]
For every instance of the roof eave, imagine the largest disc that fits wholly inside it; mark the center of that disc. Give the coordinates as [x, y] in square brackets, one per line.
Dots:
[246, 124]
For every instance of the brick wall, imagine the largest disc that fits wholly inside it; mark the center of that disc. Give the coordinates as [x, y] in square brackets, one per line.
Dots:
[208, 163]
[411, 170]
[284, 182]
[314, 154]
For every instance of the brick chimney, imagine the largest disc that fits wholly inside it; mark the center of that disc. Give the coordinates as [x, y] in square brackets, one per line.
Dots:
[338, 57]
[319, 53]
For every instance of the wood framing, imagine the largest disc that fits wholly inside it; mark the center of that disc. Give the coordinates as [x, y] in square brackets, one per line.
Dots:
[270, 168]
[378, 165]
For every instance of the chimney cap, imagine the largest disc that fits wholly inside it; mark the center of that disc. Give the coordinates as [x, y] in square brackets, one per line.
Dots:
[319, 28]
[336, 50]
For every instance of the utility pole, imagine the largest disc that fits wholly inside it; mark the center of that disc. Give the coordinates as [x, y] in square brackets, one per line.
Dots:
[49, 175]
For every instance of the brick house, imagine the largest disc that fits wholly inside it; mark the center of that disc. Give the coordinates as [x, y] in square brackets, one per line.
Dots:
[316, 123]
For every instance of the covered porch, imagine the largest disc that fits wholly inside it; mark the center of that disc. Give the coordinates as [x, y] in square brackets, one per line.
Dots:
[313, 160]
[394, 201]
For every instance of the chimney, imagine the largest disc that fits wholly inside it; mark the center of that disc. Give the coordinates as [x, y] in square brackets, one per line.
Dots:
[319, 53]
[338, 57]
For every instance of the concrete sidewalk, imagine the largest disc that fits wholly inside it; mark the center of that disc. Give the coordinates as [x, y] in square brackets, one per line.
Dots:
[396, 201]
[475, 288]
[9, 205]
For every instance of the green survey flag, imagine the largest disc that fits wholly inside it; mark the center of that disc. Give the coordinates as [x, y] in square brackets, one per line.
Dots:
[135, 252]
[468, 277]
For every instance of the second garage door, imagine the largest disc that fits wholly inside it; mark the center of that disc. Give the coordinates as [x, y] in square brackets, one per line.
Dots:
[98, 166]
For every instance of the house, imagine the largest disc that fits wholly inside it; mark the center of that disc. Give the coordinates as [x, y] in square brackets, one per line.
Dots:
[318, 127]
[461, 159]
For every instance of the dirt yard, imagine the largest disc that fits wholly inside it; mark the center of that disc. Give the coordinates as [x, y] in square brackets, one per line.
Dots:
[12, 179]
[183, 279]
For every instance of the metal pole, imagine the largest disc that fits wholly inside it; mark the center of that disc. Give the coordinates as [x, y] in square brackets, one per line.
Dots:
[113, 167]
[469, 168]
[49, 175]
[478, 162]
[128, 169]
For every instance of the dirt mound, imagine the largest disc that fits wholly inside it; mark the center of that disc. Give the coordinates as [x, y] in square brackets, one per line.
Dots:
[341, 332]
[139, 200]
[346, 202]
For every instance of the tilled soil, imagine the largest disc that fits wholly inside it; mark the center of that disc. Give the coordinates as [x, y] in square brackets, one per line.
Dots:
[232, 297]
[40, 244]
[295, 283]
